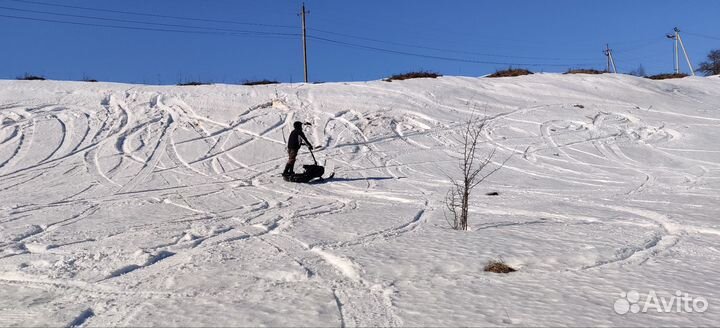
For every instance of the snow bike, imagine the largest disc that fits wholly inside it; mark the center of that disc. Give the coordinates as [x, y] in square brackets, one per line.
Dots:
[311, 172]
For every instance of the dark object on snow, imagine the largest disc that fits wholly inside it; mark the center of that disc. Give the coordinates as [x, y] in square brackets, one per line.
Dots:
[584, 71]
[311, 172]
[30, 77]
[667, 76]
[412, 75]
[260, 82]
[498, 266]
[193, 83]
[511, 72]
[493, 193]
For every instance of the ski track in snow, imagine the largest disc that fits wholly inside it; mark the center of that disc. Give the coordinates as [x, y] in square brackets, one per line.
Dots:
[180, 178]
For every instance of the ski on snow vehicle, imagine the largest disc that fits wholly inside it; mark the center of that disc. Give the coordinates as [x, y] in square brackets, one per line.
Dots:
[311, 173]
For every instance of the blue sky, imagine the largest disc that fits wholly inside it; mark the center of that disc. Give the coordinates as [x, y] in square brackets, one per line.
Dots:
[232, 41]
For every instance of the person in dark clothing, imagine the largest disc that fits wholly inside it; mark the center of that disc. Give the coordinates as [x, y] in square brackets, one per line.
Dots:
[297, 137]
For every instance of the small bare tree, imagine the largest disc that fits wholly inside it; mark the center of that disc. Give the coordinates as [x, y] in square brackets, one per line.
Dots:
[473, 167]
[712, 65]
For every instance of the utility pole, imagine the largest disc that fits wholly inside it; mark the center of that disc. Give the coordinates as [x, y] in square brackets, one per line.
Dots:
[676, 61]
[607, 54]
[677, 54]
[676, 51]
[610, 59]
[679, 39]
[304, 36]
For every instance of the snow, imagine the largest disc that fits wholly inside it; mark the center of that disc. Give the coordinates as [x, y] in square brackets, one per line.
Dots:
[130, 205]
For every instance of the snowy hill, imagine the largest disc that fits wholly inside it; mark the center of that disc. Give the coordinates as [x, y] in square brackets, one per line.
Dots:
[129, 205]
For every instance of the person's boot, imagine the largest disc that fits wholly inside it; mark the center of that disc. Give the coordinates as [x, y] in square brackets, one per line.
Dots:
[288, 170]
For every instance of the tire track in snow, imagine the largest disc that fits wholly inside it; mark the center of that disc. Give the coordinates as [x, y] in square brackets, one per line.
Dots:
[79, 148]
[351, 310]
[369, 151]
[545, 129]
[64, 131]
[85, 134]
[397, 128]
[661, 241]
[228, 128]
[121, 144]
[92, 163]
[154, 159]
[81, 319]
[615, 155]
[24, 143]
[215, 141]
[182, 113]
[174, 156]
[385, 234]
[14, 134]
[490, 119]
[115, 113]
[154, 258]
[91, 289]
[546, 136]
[359, 302]
[34, 177]
[118, 301]
[35, 231]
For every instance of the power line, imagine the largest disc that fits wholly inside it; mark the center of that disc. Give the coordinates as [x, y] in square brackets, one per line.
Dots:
[151, 15]
[206, 30]
[132, 27]
[702, 35]
[245, 33]
[269, 33]
[642, 58]
[146, 23]
[454, 59]
[441, 49]
[432, 34]
[641, 46]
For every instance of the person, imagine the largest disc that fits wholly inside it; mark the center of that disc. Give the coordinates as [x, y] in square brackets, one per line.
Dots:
[293, 146]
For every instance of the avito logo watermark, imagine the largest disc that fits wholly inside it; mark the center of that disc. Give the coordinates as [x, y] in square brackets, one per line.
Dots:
[679, 302]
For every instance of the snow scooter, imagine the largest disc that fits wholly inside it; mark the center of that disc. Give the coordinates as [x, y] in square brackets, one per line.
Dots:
[314, 171]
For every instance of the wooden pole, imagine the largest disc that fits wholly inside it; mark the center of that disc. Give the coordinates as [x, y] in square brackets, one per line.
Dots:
[687, 58]
[304, 36]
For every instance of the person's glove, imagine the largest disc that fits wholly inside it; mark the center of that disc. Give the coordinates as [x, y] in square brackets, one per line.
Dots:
[310, 147]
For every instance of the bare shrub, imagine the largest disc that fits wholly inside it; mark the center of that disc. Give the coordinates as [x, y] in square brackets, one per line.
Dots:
[498, 266]
[86, 78]
[412, 75]
[667, 76]
[473, 171]
[510, 72]
[712, 65]
[192, 83]
[260, 82]
[584, 71]
[30, 77]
